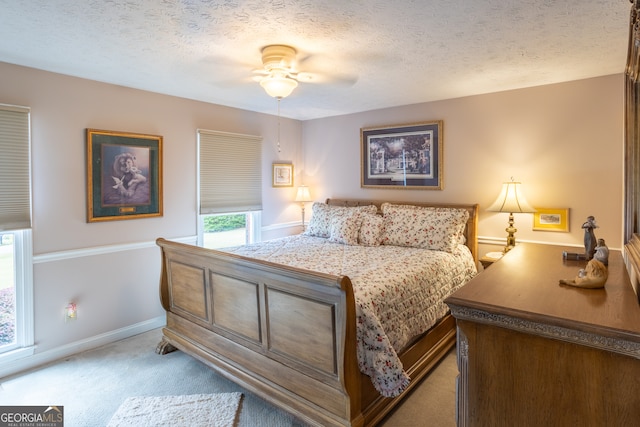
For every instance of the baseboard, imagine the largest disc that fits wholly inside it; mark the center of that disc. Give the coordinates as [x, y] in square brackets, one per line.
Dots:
[38, 359]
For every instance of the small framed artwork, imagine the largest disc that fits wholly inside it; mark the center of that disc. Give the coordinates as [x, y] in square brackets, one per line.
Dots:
[404, 157]
[545, 219]
[282, 175]
[124, 175]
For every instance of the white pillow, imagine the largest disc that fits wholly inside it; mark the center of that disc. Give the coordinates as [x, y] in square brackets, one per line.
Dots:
[423, 227]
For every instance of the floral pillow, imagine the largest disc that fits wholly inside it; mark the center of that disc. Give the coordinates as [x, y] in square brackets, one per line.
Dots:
[423, 227]
[322, 213]
[345, 227]
[371, 229]
[320, 220]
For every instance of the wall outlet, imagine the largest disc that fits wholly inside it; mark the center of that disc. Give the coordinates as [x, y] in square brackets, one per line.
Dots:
[70, 312]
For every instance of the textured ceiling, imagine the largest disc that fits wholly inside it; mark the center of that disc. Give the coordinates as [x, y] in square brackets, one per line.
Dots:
[371, 53]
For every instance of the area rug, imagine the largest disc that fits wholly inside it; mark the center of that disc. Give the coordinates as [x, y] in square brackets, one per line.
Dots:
[195, 410]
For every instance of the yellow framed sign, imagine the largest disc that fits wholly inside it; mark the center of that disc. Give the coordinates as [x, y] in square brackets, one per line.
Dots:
[548, 219]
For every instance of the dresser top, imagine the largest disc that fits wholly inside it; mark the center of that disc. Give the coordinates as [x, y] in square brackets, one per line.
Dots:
[524, 284]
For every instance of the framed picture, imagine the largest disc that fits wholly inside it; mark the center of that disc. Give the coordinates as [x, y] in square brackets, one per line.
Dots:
[282, 175]
[124, 175]
[406, 157]
[551, 219]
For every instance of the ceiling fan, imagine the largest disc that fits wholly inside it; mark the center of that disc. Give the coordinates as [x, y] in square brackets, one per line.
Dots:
[279, 74]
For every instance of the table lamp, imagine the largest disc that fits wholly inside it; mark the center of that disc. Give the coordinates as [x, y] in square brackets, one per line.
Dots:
[303, 196]
[511, 200]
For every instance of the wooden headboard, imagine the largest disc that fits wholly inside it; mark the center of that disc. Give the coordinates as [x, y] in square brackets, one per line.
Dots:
[470, 232]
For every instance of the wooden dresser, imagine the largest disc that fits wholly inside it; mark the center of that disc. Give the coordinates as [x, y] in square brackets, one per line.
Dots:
[534, 353]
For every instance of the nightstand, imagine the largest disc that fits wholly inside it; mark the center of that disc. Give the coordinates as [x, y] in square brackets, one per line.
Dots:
[490, 258]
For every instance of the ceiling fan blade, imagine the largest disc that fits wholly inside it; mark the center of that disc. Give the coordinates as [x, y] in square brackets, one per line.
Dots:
[322, 78]
[306, 77]
[302, 61]
[321, 69]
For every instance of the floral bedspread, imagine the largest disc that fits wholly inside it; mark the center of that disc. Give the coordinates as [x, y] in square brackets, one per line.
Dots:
[399, 293]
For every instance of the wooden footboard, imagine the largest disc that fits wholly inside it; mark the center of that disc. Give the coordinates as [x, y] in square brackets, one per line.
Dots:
[283, 333]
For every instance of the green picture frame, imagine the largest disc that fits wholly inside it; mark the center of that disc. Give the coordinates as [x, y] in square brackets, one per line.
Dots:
[124, 175]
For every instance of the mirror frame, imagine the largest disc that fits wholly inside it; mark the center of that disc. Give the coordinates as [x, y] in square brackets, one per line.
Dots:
[632, 147]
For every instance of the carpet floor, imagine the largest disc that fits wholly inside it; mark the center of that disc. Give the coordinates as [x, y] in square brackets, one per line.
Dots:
[92, 385]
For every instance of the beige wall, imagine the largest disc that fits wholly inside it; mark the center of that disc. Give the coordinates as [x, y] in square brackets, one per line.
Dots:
[111, 269]
[564, 142]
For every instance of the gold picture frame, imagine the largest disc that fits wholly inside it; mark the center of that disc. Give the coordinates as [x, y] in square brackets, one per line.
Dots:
[551, 219]
[124, 175]
[282, 175]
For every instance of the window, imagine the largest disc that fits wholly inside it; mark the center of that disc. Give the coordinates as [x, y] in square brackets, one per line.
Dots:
[7, 292]
[16, 282]
[230, 189]
[224, 230]
[16, 295]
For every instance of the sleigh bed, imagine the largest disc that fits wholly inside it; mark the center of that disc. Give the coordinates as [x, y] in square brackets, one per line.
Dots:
[293, 321]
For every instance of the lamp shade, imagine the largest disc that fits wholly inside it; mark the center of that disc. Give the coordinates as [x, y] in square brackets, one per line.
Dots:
[303, 194]
[511, 200]
[278, 85]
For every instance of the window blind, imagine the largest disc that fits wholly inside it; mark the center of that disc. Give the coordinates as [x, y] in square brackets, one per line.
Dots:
[230, 172]
[15, 172]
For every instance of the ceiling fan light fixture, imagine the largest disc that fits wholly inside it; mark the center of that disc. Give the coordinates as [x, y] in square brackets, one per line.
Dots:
[278, 56]
[278, 86]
